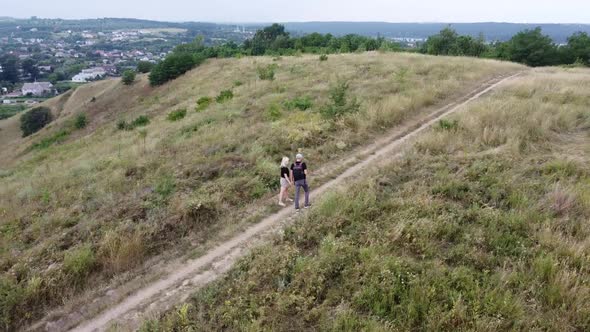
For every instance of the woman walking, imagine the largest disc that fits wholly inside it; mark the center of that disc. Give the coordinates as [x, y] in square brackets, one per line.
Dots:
[285, 182]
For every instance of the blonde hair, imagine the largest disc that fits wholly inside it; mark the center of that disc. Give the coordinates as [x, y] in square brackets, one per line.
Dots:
[285, 162]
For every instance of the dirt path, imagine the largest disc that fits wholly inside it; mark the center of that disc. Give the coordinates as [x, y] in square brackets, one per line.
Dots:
[181, 278]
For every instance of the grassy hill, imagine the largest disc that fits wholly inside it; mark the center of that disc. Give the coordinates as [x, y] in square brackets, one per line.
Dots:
[87, 207]
[481, 226]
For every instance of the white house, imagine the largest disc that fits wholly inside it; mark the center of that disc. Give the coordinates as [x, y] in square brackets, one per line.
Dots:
[89, 75]
[37, 88]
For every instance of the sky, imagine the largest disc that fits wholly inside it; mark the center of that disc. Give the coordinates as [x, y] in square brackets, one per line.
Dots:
[519, 11]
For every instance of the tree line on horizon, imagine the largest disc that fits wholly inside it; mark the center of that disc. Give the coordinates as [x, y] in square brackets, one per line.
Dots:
[530, 47]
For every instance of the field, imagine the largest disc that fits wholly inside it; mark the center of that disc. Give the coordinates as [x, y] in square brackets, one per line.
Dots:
[6, 111]
[482, 225]
[89, 207]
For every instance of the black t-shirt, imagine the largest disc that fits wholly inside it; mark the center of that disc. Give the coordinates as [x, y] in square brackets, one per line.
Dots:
[284, 171]
[298, 171]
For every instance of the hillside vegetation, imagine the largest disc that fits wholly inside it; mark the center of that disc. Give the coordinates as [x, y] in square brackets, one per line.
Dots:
[482, 226]
[177, 166]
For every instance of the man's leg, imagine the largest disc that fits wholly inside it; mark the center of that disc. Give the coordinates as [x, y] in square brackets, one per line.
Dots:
[297, 187]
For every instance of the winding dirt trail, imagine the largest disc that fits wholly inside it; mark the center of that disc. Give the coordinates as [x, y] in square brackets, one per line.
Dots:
[180, 279]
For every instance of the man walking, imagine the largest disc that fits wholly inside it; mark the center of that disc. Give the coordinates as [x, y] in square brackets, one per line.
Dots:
[299, 177]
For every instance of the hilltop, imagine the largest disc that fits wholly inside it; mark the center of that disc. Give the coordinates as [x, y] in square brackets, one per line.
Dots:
[181, 166]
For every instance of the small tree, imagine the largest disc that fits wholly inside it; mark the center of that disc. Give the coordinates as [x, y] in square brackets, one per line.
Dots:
[81, 121]
[34, 120]
[128, 77]
[144, 67]
[203, 103]
[224, 96]
[340, 104]
[267, 73]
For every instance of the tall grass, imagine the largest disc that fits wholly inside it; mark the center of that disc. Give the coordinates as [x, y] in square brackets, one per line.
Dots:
[482, 226]
[191, 180]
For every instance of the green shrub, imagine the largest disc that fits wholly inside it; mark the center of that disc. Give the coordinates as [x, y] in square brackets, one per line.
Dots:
[267, 73]
[34, 120]
[81, 121]
[224, 96]
[448, 125]
[140, 121]
[274, 112]
[173, 66]
[238, 83]
[11, 297]
[177, 115]
[203, 103]
[58, 137]
[340, 104]
[301, 103]
[79, 262]
[323, 57]
[128, 77]
[123, 125]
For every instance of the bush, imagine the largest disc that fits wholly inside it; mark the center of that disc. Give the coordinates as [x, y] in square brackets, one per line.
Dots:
[123, 125]
[340, 104]
[144, 67]
[274, 112]
[34, 120]
[448, 125]
[81, 121]
[128, 77]
[301, 103]
[78, 263]
[173, 66]
[323, 57]
[203, 103]
[224, 96]
[58, 137]
[140, 121]
[177, 115]
[267, 73]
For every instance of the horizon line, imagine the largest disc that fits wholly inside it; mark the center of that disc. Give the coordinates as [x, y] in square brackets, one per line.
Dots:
[290, 22]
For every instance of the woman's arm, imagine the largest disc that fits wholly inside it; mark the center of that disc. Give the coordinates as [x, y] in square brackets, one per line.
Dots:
[287, 177]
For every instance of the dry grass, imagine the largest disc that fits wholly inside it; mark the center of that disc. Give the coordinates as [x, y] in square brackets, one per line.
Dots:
[128, 196]
[482, 227]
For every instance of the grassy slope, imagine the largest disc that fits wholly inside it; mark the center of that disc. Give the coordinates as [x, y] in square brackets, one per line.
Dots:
[97, 206]
[481, 227]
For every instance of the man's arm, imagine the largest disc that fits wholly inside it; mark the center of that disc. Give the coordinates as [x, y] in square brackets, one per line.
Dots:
[291, 175]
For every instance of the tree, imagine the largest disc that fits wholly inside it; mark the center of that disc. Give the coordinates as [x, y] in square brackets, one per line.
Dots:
[30, 67]
[532, 48]
[578, 48]
[265, 38]
[10, 65]
[34, 120]
[444, 43]
[128, 77]
[173, 66]
[144, 67]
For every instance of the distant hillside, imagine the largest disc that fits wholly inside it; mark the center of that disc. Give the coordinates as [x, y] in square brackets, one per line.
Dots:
[491, 31]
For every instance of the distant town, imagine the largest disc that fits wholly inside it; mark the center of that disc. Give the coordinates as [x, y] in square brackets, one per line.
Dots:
[40, 58]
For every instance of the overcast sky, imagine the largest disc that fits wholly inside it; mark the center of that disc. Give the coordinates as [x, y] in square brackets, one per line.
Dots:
[522, 11]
